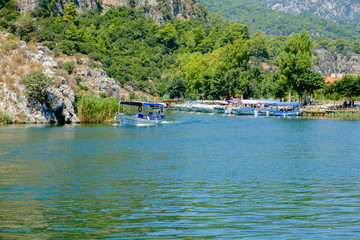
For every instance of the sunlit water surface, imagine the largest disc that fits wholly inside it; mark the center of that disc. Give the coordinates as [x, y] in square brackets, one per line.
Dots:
[195, 177]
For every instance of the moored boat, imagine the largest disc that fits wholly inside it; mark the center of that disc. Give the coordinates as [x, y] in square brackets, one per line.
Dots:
[251, 107]
[136, 113]
[283, 109]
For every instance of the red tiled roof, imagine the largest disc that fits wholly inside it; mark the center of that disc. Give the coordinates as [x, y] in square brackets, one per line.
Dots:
[332, 79]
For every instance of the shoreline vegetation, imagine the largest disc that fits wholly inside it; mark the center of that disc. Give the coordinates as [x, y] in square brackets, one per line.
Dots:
[341, 114]
[6, 119]
[91, 109]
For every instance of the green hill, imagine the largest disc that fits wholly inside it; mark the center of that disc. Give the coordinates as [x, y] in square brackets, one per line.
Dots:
[258, 16]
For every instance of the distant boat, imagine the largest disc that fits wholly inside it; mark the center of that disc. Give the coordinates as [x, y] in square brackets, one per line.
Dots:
[187, 106]
[283, 109]
[251, 107]
[140, 113]
[210, 106]
[176, 102]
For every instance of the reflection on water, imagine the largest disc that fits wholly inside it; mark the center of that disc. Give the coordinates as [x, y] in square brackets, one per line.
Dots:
[196, 177]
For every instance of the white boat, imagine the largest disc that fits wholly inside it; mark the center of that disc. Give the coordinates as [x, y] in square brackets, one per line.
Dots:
[135, 113]
[185, 106]
[252, 107]
[211, 106]
[283, 109]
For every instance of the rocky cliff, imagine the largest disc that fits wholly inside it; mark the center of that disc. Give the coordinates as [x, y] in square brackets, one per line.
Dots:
[336, 63]
[19, 59]
[159, 10]
[339, 10]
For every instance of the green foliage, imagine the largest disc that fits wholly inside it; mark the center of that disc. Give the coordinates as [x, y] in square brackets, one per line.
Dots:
[256, 15]
[257, 46]
[36, 84]
[23, 27]
[177, 87]
[295, 59]
[8, 13]
[348, 86]
[167, 35]
[102, 95]
[309, 82]
[50, 45]
[78, 79]
[5, 118]
[69, 67]
[132, 95]
[179, 58]
[92, 109]
[83, 88]
[69, 12]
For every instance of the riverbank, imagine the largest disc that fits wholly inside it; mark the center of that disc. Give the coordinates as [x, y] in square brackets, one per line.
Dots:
[92, 109]
[340, 114]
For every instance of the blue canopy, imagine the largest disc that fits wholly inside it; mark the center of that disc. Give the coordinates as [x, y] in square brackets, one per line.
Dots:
[133, 103]
[294, 104]
[153, 104]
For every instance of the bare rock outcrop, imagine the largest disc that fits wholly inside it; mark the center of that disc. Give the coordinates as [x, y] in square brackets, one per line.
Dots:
[98, 82]
[16, 62]
[338, 10]
[336, 63]
[155, 9]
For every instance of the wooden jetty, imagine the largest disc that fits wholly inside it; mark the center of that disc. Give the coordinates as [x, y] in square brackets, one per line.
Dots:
[317, 112]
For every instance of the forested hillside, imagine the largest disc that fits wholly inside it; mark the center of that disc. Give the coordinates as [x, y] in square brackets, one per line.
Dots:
[214, 56]
[337, 10]
[258, 16]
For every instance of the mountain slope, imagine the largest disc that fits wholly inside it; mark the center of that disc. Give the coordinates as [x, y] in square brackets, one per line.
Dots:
[260, 17]
[161, 11]
[338, 10]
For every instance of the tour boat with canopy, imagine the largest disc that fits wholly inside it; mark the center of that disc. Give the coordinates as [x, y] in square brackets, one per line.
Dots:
[283, 109]
[252, 107]
[140, 113]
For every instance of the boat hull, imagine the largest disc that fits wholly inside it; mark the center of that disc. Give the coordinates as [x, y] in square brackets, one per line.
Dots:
[284, 114]
[130, 120]
[244, 111]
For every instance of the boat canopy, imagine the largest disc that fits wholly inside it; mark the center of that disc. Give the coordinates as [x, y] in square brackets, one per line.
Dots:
[142, 104]
[174, 100]
[294, 104]
[257, 101]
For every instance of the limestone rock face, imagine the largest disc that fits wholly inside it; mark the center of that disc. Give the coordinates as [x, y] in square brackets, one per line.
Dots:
[336, 63]
[16, 64]
[98, 82]
[347, 10]
[156, 9]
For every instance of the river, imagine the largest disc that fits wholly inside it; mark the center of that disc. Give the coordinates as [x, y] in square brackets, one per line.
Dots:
[195, 177]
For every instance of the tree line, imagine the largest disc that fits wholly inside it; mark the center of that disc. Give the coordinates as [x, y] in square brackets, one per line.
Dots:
[218, 58]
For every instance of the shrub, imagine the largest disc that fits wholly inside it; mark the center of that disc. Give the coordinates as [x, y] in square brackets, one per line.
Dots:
[131, 95]
[78, 79]
[91, 109]
[9, 45]
[56, 51]
[69, 67]
[102, 95]
[36, 84]
[5, 118]
[78, 58]
[84, 88]
[93, 56]
[50, 45]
